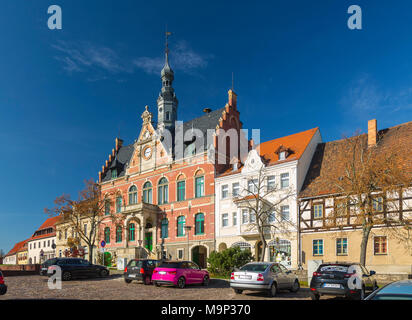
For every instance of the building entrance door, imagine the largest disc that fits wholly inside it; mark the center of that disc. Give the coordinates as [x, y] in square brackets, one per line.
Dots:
[148, 240]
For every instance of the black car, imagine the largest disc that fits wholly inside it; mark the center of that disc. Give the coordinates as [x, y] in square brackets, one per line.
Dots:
[45, 265]
[3, 287]
[77, 268]
[140, 270]
[350, 280]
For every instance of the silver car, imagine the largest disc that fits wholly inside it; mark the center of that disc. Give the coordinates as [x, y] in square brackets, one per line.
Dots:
[263, 276]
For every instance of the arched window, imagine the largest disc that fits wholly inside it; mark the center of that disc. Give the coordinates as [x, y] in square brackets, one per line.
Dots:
[107, 207]
[181, 188]
[147, 192]
[181, 222]
[118, 204]
[132, 232]
[242, 245]
[165, 229]
[200, 223]
[199, 185]
[107, 235]
[133, 195]
[163, 191]
[119, 234]
[167, 115]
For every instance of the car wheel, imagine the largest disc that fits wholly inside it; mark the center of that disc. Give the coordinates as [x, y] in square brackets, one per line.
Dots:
[181, 283]
[127, 280]
[296, 286]
[104, 273]
[67, 276]
[273, 290]
[147, 280]
[3, 290]
[156, 284]
[314, 296]
[238, 291]
[205, 281]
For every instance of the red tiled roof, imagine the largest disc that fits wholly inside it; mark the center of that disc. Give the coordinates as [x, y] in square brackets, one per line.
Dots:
[17, 247]
[49, 223]
[47, 235]
[327, 162]
[296, 143]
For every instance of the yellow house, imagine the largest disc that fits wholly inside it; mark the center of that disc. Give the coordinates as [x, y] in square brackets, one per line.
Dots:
[66, 232]
[322, 238]
[23, 254]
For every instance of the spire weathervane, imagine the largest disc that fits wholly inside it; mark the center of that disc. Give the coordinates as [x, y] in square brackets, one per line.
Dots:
[167, 33]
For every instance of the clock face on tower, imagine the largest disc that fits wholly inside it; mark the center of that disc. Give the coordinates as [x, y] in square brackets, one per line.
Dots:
[147, 153]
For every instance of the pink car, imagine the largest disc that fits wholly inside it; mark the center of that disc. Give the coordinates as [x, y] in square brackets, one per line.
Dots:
[179, 273]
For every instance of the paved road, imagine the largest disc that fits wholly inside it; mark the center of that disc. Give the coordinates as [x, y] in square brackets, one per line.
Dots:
[114, 288]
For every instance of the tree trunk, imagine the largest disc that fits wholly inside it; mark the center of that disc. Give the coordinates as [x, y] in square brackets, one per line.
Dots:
[364, 244]
[90, 253]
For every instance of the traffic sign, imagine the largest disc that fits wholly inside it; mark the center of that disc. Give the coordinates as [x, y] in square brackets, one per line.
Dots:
[103, 244]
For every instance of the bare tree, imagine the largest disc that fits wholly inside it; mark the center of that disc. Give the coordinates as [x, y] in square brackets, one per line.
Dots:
[369, 192]
[87, 210]
[263, 200]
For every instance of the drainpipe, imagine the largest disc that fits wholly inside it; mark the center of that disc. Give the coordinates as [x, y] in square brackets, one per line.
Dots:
[299, 239]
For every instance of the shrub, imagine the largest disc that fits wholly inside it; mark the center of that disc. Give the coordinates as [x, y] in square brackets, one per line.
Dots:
[222, 263]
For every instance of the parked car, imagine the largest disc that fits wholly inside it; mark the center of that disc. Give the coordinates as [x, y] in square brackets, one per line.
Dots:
[263, 276]
[3, 287]
[77, 268]
[179, 273]
[45, 266]
[398, 290]
[140, 270]
[333, 279]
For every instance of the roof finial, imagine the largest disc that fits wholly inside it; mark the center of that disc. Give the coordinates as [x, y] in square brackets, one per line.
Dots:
[167, 33]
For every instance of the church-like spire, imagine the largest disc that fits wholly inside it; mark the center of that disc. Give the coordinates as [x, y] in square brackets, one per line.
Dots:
[167, 101]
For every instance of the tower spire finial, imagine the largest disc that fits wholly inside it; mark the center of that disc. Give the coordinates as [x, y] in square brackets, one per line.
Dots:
[167, 33]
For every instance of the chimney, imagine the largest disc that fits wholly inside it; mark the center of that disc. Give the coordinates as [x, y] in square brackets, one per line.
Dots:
[372, 133]
[232, 99]
[207, 110]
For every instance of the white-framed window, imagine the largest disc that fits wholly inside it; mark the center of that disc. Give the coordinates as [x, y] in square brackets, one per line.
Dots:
[235, 189]
[271, 183]
[225, 191]
[284, 213]
[284, 180]
[252, 217]
[245, 216]
[252, 185]
[272, 217]
[318, 210]
[234, 218]
[282, 155]
[180, 254]
[225, 220]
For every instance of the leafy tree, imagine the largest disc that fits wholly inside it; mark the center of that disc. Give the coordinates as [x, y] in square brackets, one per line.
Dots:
[222, 263]
[88, 209]
[370, 188]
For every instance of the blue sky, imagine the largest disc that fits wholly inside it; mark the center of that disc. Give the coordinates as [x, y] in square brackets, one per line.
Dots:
[66, 94]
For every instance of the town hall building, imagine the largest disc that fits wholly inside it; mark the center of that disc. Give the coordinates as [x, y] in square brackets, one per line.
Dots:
[159, 190]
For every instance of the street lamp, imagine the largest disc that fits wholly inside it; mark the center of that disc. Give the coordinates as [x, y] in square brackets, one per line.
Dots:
[187, 228]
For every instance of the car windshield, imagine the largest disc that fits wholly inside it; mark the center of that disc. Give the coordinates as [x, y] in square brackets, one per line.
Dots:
[50, 262]
[135, 263]
[392, 297]
[333, 268]
[258, 267]
[169, 265]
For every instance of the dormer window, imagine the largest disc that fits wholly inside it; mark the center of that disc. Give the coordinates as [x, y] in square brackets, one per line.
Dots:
[283, 152]
[114, 173]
